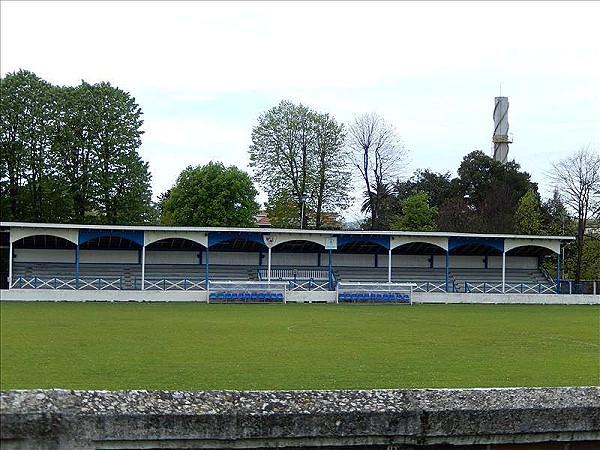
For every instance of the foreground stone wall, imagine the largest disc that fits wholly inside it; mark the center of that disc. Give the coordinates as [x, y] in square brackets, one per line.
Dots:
[537, 418]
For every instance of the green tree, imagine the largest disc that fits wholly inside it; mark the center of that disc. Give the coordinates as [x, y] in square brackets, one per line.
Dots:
[122, 179]
[528, 216]
[416, 215]
[27, 113]
[70, 154]
[456, 214]
[485, 196]
[590, 258]
[438, 187]
[211, 196]
[555, 217]
[297, 157]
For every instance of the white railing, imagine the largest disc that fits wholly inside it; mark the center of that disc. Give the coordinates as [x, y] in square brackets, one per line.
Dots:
[293, 274]
[308, 285]
[432, 286]
[509, 288]
[85, 283]
[174, 284]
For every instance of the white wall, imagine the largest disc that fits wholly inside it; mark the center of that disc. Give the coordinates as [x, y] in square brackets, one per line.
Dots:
[295, 260]
[421, 261]
[200, 296]
[278, 259]
[109, 256]
[39, 255]
[513, 262]
[235, 258]
[353, 260]
[174, 257]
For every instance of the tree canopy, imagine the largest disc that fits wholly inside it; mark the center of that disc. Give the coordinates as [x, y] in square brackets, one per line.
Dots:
[297, 157]
[212, 195]
[416, 214]
[70, 154]
[528, 215]
[485, 196]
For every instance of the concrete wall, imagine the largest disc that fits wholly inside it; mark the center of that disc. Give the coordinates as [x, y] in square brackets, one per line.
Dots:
[494, 262]
[296, 259]
[168, 257]
[525, 418]
[280, 259]
[353, 260]
[300, 296]
[32, 255]
[532, 299]
[109, 256]
[234, 258]
[59, 295]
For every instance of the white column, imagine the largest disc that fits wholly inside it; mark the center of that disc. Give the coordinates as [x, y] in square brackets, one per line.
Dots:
[10, 264]
[269, 266]
[390, 265]
[143, 266]
[503, 270]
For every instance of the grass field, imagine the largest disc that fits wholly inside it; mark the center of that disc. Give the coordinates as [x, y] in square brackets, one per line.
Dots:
[198, 346]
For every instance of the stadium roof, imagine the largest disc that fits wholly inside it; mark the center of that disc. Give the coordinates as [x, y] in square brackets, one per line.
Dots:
[290, 240]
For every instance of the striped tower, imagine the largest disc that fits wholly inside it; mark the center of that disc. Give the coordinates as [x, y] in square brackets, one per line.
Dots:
[501, 139]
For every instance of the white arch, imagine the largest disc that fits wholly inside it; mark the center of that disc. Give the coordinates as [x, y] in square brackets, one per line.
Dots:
[438, 241]
[194, 236]
[71, 235]
[551, 244]
[273, 239]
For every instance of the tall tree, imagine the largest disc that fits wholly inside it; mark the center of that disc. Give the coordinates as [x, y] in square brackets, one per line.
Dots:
[577, 178]
[478, 174]
[122, 178]
[27, 107]
[377, 153]
[456, 214]
[75, 151]
[438, 186]
[211, 195]
[528, 216]
[70, 154]
[331, 176]
[555, 217]
[297, 157]
[485, 196]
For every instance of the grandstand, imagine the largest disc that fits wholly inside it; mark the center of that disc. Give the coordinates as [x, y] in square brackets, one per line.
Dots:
[124, 258]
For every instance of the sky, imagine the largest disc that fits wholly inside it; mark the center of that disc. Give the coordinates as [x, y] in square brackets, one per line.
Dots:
[203, 72]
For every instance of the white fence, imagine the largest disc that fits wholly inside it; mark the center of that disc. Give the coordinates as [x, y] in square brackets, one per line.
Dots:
[173, 284]
[509, 288]
[70, 283]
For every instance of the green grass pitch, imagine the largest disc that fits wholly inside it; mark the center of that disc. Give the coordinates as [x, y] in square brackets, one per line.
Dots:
[195, 346]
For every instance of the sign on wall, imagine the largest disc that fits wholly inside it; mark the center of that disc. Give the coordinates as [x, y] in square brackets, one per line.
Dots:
[331, 243]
